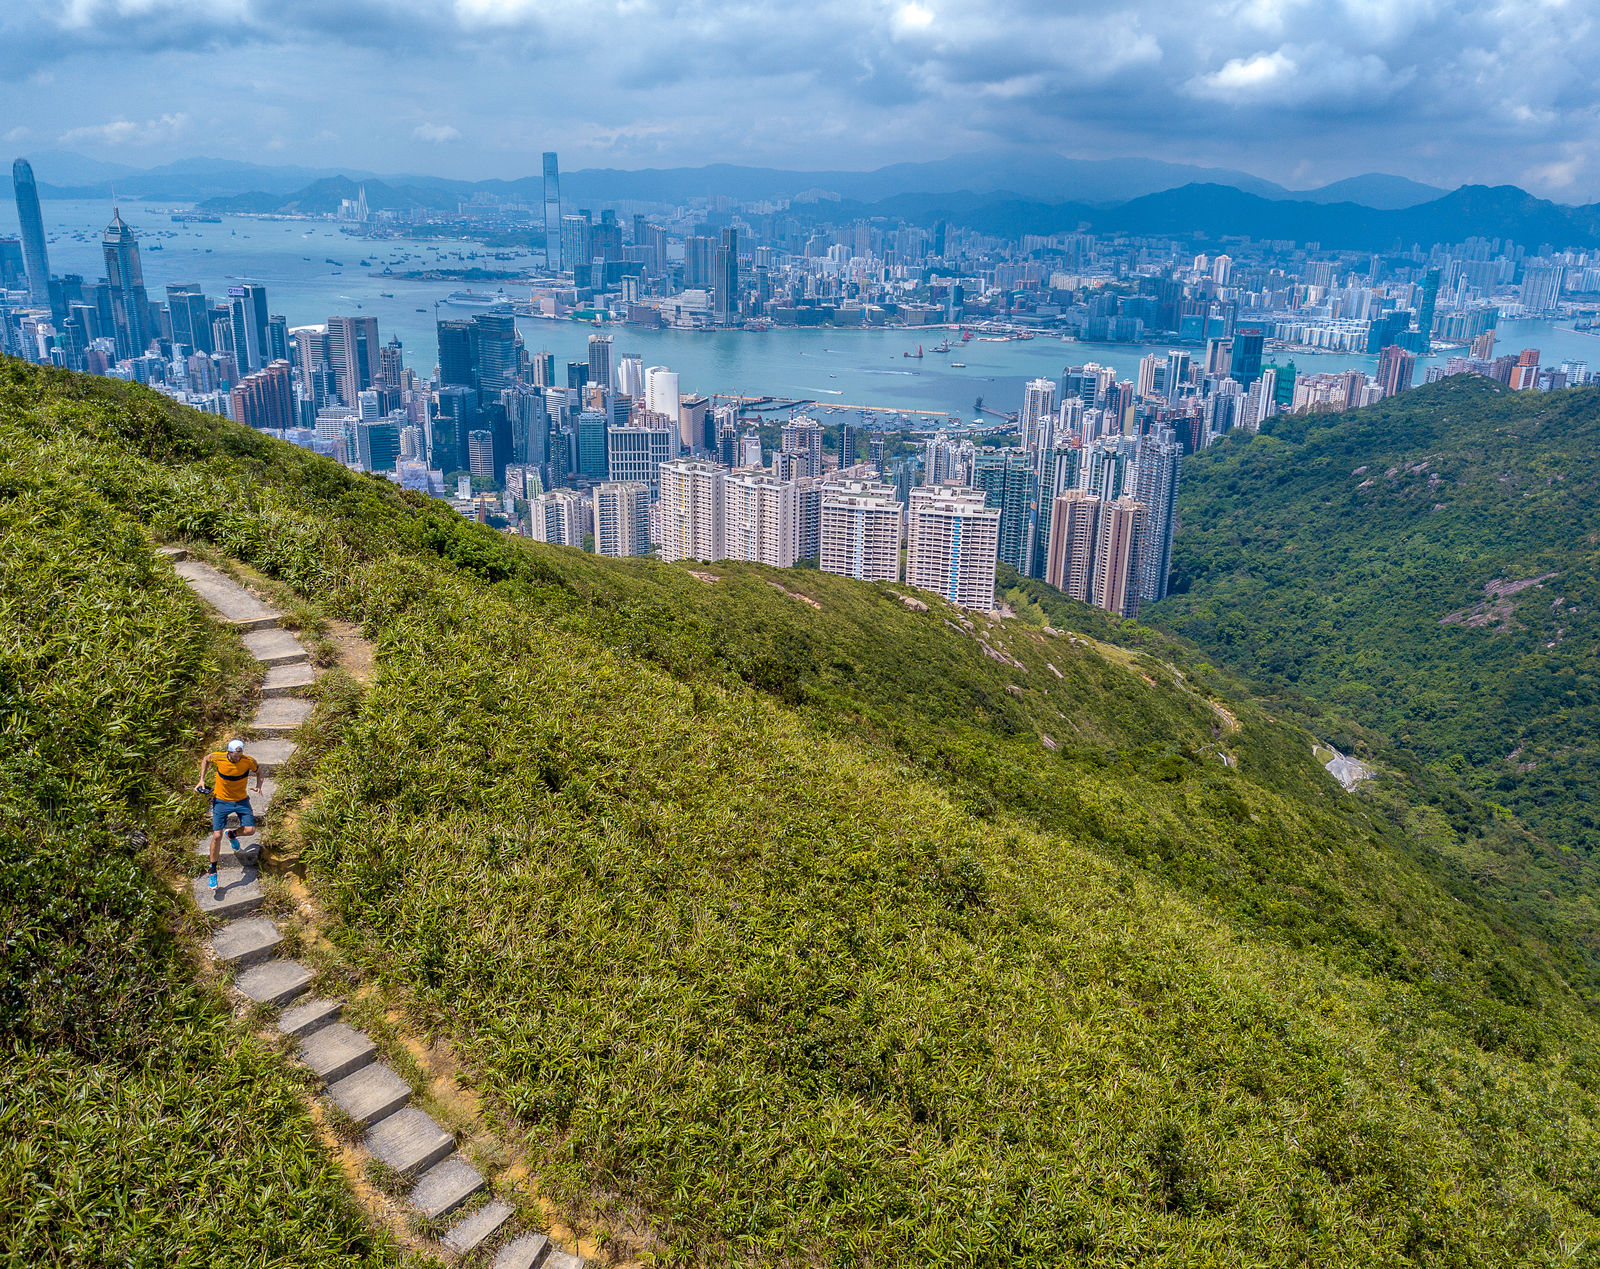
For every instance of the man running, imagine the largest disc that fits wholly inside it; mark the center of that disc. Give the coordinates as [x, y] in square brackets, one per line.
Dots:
[228, 797]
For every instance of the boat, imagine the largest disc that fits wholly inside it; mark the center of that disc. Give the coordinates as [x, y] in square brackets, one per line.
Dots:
[944, 347]
[475, 299]
[386, 295]
[958, 365]
[918, 353]
[332, 261]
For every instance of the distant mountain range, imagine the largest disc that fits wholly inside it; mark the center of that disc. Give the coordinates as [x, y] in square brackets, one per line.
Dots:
[1006, 193]
[1024, 174]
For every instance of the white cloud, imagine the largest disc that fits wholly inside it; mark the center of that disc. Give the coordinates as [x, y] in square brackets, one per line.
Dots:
[436, 133]
[1246, 76]
[121, 132]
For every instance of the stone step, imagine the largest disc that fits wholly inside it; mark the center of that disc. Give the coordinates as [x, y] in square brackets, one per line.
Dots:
[336, 1050]
[238, 890]
[286, 680]
[270, 755]
[445, 1187]
[408, 1141]
[471, 1230]
[275, 647]
[280, 714]
[563, 1260]
[173, 553]
[309, 1015]
[232, 602]
[246, 942]
[374, 1092]
[247, 856]
[531, 1251]
[274, 982]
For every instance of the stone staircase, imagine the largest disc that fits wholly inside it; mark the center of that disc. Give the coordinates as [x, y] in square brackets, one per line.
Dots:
[343, 1059]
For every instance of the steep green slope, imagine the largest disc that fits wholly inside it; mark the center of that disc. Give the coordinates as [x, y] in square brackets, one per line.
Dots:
[854, 930]
[135, 1126]
[1428, 567]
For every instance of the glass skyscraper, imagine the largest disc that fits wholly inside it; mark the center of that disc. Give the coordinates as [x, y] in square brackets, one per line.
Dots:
[35, 259]
[130, 306]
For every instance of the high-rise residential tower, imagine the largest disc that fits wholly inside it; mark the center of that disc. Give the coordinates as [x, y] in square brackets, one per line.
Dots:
[1074, 527]
[1116, 557]
[1157, 467]
[691, 510]
[1035, 423]
[860, 534]
[622, 519]
[951, 543]
[35, 258]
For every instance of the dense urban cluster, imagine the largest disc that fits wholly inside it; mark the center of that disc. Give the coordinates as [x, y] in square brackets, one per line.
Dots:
[613, 455]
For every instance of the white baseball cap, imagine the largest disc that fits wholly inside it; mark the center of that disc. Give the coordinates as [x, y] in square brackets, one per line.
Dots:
[236, 746]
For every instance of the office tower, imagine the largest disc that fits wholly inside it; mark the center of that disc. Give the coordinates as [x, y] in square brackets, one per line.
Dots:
[277, 338]
[591, 430]
[497, 352]
[480, 454]
[630, 376]
[353, 355]
[760, 522]
[600, 362]
[1395, 369]
[35, 256]
[530, 425]
[951, 545]
[1177, 379]
[392, 364]
[191, 320]
[1219, 355]
[247, 307]
[560, 517]
[552, 214]
[378, 444]
[691, 510]
[860, 531]
[1035, 423]
[1156, 486]
[130, 305]
[635, 454]
[574, 242]
[455, 414]
[694, 416]
[1007, 482]
[622, 519]
[1116, 557]
[699, 262]
[1244, 364]
[661, 395]
[726, 283]
[457, 352]
[317, 383]
[728, 443]
[1430, 298]
[1074, 528]
[803, 438]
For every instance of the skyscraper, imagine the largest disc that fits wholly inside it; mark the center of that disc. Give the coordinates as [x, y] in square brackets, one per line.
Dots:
[1116, 557]
[191, 320]
[726, 282]
[1244, 362]
[247, 304]
[760, 521]
[458, 356]
[1007, 481]
[35, 259]
[1395, 369]
[635, 454]
[353, 353]
[130, 306]
[600, 362]
[552, 213]
[860, 532]
[1158, 465]
[951, 544]
[803, 438]
[1035, 423]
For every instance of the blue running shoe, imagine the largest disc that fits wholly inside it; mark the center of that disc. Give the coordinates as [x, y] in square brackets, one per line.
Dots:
[211, 876]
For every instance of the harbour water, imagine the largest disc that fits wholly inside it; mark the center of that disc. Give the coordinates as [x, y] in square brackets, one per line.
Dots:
[838, 367]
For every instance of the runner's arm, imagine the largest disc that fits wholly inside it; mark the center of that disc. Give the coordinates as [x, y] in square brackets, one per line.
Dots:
[205, 761]
[258, 777]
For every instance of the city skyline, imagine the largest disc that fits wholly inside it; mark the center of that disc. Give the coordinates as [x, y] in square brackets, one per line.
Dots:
[1294, 93]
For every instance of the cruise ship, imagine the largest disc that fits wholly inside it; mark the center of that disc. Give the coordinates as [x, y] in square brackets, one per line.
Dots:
[477, 299]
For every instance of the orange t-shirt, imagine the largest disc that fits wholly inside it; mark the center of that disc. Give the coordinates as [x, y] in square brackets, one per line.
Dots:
[232, 775]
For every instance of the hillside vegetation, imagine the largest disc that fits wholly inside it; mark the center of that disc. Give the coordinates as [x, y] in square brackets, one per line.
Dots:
[796, 921]
[1428, 568]
[136, 1126]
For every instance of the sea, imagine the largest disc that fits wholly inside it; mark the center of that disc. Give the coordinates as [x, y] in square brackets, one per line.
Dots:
[313, 271]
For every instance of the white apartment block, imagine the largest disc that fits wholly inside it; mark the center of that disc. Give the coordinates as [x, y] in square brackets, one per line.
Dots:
[951, 544]
[560, 517]
[861, 531]
[622, 518]
[636, 454]
[760, 521]
[691, 510]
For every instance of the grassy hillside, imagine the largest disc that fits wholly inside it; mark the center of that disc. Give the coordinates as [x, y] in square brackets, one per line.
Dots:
[791, 922]
[1428, 568]
[136, 1127]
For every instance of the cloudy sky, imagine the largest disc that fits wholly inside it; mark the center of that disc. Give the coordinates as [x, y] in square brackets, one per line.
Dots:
[1300, 91]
